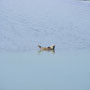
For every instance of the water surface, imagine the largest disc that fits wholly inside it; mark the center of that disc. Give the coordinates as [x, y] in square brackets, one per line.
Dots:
[26, 23]
[66, 70]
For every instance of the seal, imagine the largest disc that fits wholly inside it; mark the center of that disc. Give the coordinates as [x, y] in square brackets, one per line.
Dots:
[52, 47]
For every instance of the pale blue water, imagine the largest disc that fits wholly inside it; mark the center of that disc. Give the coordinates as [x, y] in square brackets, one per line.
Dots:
[68, 70]
[26, 23]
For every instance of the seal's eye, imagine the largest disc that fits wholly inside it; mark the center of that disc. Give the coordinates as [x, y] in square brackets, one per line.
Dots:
[48, 47]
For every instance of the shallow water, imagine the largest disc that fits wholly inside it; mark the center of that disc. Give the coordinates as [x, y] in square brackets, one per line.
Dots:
[26, 23]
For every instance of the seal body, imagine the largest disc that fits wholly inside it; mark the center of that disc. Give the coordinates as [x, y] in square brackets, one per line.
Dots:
[47, 48]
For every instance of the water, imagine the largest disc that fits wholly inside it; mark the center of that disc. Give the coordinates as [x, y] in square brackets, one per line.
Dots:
[40, 71]
[26, 23]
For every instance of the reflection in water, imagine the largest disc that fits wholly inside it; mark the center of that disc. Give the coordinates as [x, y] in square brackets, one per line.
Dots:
[52, 51]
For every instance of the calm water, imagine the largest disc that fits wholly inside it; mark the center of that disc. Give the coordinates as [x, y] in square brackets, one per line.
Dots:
[26, 23]
[68, 70]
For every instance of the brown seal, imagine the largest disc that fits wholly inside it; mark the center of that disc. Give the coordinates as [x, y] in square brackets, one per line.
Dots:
[47, 48]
